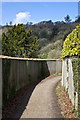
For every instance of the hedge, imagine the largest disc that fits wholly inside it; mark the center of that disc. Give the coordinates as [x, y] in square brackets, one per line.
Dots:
[71, 46]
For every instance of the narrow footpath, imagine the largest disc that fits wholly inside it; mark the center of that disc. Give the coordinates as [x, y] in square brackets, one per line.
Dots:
[43, 101]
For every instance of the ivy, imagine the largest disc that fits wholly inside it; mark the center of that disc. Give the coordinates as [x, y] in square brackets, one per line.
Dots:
[75, 71]
[76, 78]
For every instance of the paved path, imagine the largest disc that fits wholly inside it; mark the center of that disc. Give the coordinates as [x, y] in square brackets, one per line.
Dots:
[43, 101]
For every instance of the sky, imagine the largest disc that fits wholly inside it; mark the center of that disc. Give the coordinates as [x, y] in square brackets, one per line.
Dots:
[23, 12]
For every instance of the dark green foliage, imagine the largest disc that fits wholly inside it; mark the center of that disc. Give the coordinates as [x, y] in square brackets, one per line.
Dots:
[78, 20]
[6, 24]
[54, 33]
[76, 78]
[19, 42]
[5, 87]
[66, 35]
[43, 56]
[67, 19]
[75, 73]
[10, 22]
[51, 36]
[67, 66]
[44, 34]
[68, 76]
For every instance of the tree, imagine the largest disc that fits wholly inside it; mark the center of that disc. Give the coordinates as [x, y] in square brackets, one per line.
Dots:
[67, 19]
[31, 23]
[10, 22]
[78, 19]
[6, 24]
[19, 42]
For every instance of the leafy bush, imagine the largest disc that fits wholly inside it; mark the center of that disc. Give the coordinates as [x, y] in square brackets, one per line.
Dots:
[71, 46]
[42, 56]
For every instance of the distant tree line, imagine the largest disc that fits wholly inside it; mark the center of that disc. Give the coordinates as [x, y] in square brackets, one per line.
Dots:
[66, 18]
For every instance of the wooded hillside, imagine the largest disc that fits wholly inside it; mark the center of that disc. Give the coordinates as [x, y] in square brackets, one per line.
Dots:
[51, 35]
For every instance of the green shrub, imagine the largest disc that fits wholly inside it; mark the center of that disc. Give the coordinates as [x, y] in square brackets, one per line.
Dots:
[42, 56]
[71, 46]
[19, 42]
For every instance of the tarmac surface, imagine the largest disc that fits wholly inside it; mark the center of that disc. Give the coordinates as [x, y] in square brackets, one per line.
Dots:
[43, 100]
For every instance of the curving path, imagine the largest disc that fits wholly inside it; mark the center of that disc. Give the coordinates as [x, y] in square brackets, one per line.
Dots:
[43, 101]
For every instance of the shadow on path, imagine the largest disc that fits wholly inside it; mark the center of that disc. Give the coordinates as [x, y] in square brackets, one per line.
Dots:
[16, 106]
[43, 102]
[47, 95]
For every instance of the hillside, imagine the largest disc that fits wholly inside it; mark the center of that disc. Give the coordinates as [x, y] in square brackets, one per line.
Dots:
[51, 35]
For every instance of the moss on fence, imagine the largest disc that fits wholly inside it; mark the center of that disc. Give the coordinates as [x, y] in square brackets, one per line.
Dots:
[67, 77]
[6, 73]
[75, 73]
[79, 86]
[76, 78]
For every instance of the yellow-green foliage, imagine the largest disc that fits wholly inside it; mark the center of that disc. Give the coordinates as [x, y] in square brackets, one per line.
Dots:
[71, 46]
